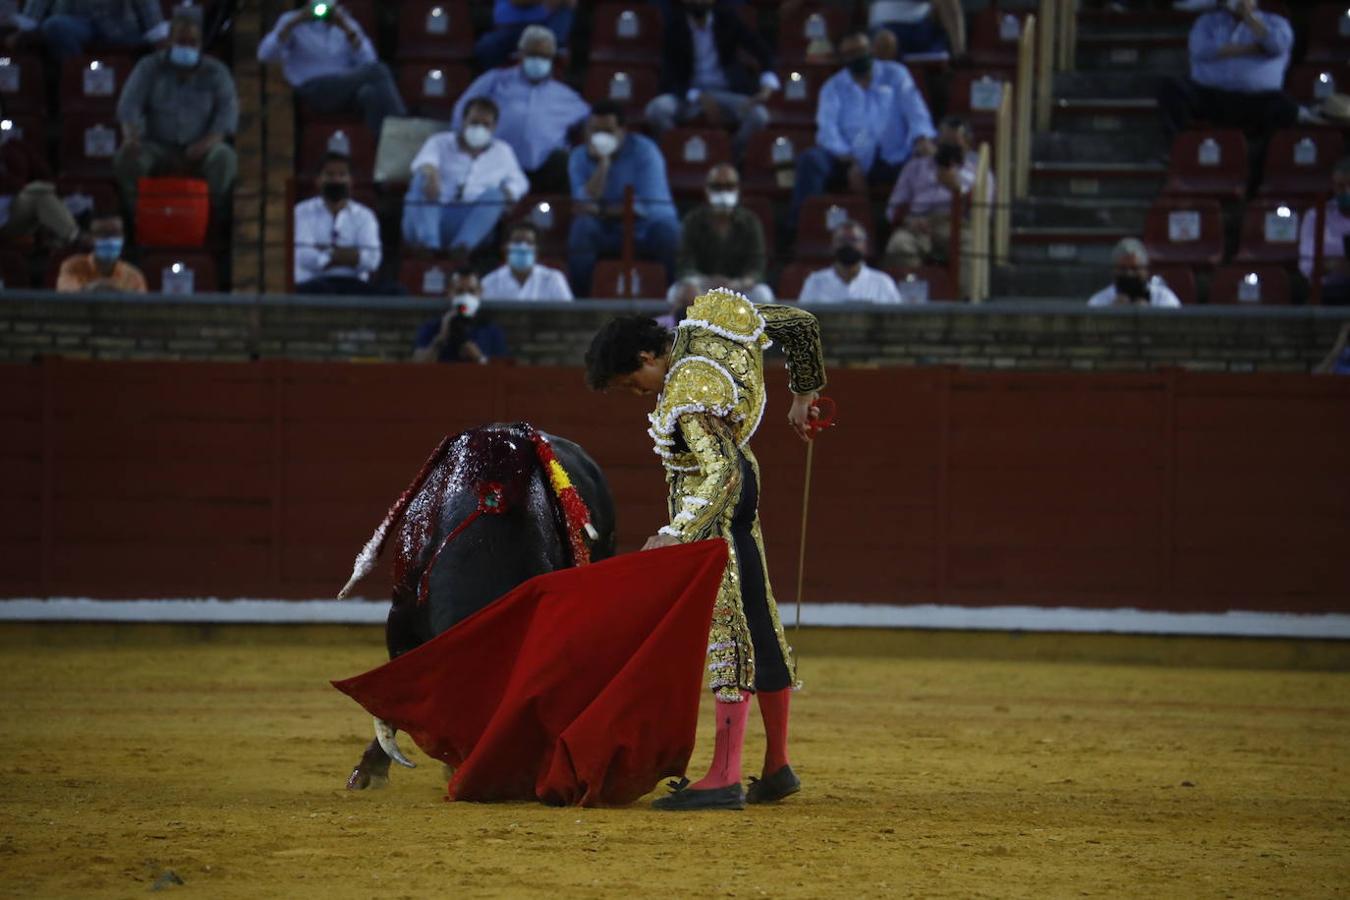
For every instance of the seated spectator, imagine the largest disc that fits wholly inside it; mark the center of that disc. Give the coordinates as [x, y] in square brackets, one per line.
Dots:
[330, 62]
[511, 17]
[702, 73]
[461, 334]
[870, 117]
[1132, 285]
[1238, 59]
[176, 109]
[613, 159]
[67, 27]
[463, 181]
[104, 269]
[537, 110]
[681, 296]
[723, 242]
[28, 200]
[522, 278]
[921, 203]
[849, 279]
[337, 240]
[1335, 238]
[920, 27]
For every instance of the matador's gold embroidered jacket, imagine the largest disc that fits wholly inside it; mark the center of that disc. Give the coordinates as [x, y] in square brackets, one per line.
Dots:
[710, 407]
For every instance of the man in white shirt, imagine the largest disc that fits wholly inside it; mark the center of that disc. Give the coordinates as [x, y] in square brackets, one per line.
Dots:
[330, 62]
[850, 280]
[462, 183]
[522, 278]
[1132, 285]
[337, 240]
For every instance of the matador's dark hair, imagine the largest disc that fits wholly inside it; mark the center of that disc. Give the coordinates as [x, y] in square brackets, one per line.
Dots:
[615, 348]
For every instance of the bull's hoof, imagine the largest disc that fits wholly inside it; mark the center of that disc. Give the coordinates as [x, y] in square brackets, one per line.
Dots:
[361, 780]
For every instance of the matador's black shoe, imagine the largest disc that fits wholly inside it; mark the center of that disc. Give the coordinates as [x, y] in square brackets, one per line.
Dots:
[772, 788]
[683, 797]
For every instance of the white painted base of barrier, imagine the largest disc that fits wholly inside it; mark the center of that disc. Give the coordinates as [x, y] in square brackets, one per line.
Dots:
[852, 615]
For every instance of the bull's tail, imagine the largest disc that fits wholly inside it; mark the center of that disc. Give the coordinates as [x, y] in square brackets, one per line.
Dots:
[370, 553]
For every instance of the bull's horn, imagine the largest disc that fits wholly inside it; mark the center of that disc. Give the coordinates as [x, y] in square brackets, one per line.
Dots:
[384, 733]
[591, 532]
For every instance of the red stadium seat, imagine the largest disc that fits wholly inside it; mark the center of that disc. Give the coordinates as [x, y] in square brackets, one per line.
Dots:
[763, 211]
[819, 217]
[1208, 162]
[31, 129]
[810, 24]
[431, 88]
[925, 284]
[180, 272]
[793, 276]
[425, 277]
[93, 83]
[13, 269]
[87, 195]
[1311, 83]
[613, 281]
[1299, 162]
[89, 141]
[975, 95]
[551, 215]
[690, 153]
[435, 29]
[23, 89]
[317, 138]
[770, 155]
[795, 104]
[1238, 284]
[1329, 34]
[1184, 232]
[632, 87]
[1180, 280]
[625, 33]
[1269, 233]
[994, 34]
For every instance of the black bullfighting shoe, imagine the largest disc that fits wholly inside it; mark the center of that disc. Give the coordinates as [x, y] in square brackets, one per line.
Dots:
[683, 797]
[772, 788]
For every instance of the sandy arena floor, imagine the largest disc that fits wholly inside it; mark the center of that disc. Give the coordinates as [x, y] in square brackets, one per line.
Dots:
[131, 751]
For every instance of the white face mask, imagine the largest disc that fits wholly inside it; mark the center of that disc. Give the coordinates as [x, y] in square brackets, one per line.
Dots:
[604, 143]
[723, 199]
[477, 136]
[465, 304]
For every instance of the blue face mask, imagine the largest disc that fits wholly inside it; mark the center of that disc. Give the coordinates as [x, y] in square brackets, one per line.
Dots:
[520, 256]
[536, 68]
[107, 250]
[187, 57]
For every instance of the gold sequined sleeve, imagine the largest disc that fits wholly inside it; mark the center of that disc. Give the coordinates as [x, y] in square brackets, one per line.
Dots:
[798, 333]
[712, 493]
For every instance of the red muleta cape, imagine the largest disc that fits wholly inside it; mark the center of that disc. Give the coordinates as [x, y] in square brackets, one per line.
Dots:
[580, 686]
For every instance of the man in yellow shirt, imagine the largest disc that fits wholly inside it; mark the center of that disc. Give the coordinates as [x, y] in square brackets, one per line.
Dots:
[102, 270]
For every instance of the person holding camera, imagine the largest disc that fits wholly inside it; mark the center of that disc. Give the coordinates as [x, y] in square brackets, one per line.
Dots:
[1132, 285]
[460, 334]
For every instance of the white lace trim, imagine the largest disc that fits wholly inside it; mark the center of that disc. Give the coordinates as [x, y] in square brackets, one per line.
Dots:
[695, 502]
[671, 532]
[751, 338]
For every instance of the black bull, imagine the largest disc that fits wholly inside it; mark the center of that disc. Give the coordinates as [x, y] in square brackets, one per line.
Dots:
[523, 535]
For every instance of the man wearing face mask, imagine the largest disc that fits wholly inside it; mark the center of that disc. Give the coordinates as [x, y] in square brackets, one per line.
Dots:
[850, 279]
[702, 73]
[612, 160]
[175, 110]
[461, 334]
[511, 17]
[1132, 285]
[537, 110]
[462, 182]
[722, 241]
[1335, 239]
[104, 269]
[870, 117]
[337, 240]
[522, 278]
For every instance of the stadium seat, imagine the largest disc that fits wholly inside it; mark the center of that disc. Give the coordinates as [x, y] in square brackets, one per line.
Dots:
[975, 95]
[179, 272]
[1311, 83]
[795, 104]
[23, 89]
[994, 35]
[763, 211]
[1242, 284]
[431, 88]
[925, 284]
[1208, 162]
[690, 153]
[13, 269]
[625, 33]
[613, 281]
[551, 215]
[632, 87]
[1269, 233]
[93, 83]
[771, 154]
[1180, 280]
[1299, 162]
[1184, 232]
[87, 195]
[1329, 34]
[791, 279]
[30, 129]
[171, 212]
[89, 141]
[317, 137]
[435, 29]
[819, 217]
[810, 31]
[425, 277]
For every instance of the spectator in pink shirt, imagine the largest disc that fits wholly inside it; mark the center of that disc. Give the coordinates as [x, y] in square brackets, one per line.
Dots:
[1335, 235]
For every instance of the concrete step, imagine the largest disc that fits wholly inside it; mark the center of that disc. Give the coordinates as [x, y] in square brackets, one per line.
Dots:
[1045, 281]
[1107, 56]
[1113, 84]
[1071, 179]
[1076, 212]
[1132, 147]
[1108, 115]
[1069, 246]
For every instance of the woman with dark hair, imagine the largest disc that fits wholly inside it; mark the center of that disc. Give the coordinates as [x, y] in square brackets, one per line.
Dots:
[709, 382]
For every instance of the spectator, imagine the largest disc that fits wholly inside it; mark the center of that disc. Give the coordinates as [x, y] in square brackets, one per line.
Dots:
[919, 27]
[511, 17]
[1335, 237]
[536, 109]
[1132, 285]
[869, 118]
[460, 334]
[176, 109]
[463, 180]
[722, 241]
[612, 160]
[102, 270]
[850, 278]
[522, 278]
[330, 62]
[702, 73]
[337, 240]
[681, 296]
[921, 202]
[1238, 59]
[67, 27]
[28, 200]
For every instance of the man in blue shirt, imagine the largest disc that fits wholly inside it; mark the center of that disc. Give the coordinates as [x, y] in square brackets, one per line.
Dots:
[536, 110]
[870, 117]
[1238, 59]
[509, 18]
[460, 334]
[612, 160]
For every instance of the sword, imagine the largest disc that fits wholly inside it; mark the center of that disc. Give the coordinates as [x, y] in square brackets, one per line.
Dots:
[824, 419]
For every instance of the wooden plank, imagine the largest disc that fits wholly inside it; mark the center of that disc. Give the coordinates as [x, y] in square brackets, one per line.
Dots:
[159, 520]
[21, 518]
[1258, 533]
[76, 439]
[166, 479]
[1031, 447]
[1068, 531]
[1012, 571]
[1060, 405]
[1058, 490]
[1316, 414]
[213, 568]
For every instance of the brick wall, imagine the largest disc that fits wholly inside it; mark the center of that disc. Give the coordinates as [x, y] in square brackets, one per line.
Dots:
[997, 336]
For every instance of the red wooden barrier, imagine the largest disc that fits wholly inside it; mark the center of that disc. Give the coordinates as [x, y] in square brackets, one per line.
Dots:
[1159, 491]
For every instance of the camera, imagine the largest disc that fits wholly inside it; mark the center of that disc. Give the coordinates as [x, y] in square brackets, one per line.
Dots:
[320, 10]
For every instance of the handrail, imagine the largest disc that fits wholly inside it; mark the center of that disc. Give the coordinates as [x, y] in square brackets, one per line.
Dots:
[1003, 176]
[979, 229]
[1026, 44]
[1045, 62]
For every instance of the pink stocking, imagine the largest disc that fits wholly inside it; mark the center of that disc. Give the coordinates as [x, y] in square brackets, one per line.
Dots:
[726, 763]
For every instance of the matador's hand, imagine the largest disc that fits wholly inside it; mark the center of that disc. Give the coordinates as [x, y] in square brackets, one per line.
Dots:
[802, 412]
[657, 541]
